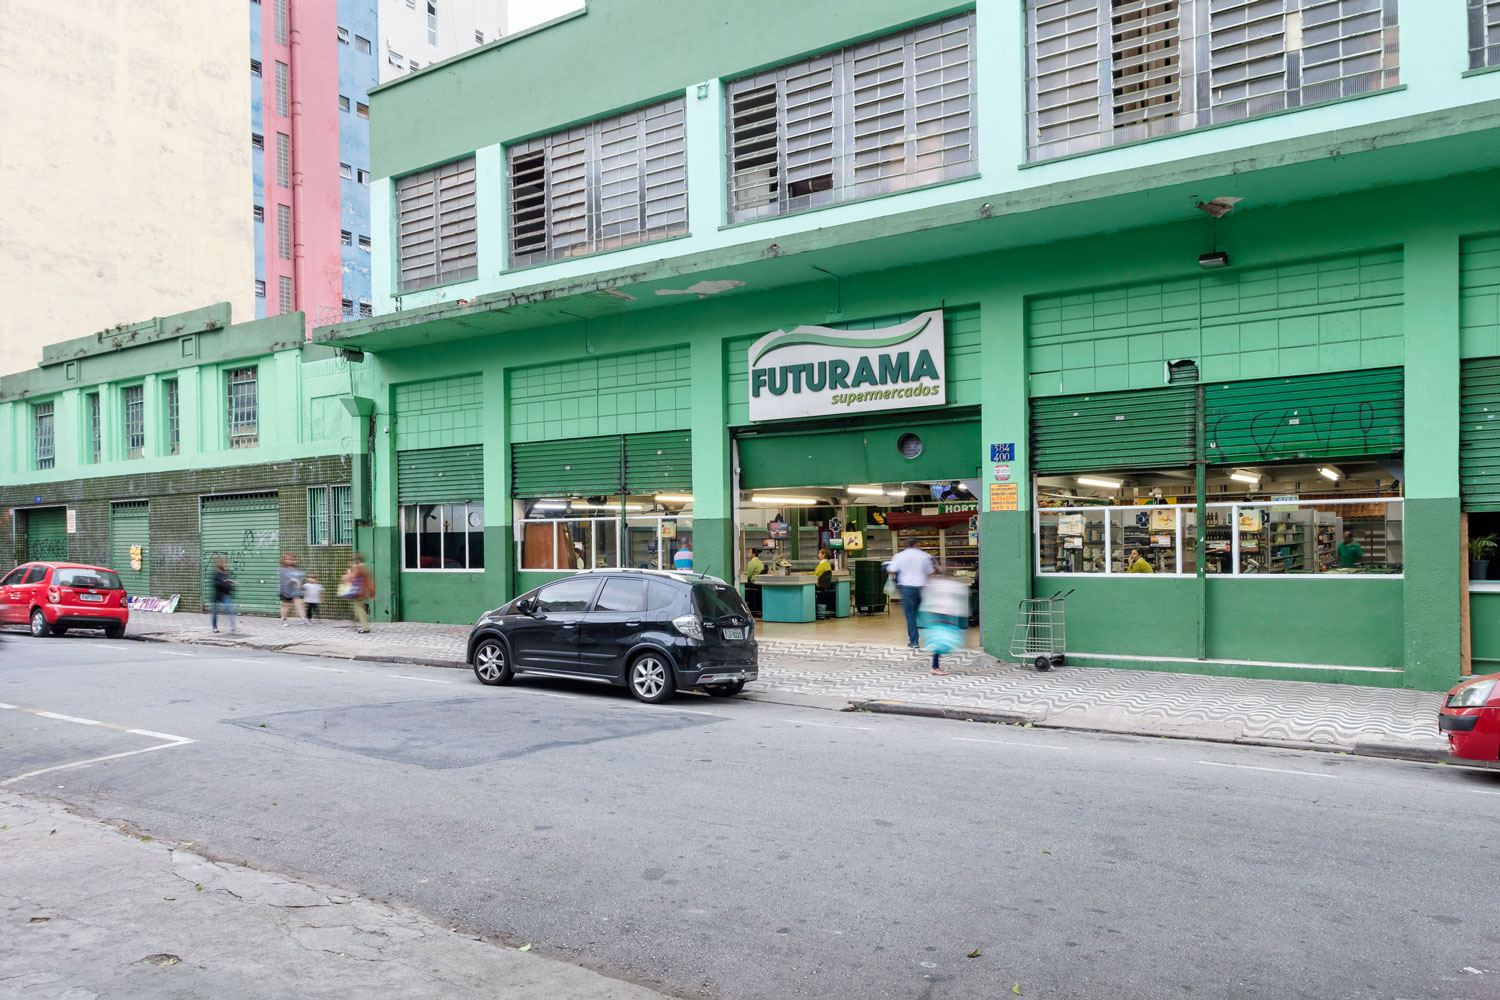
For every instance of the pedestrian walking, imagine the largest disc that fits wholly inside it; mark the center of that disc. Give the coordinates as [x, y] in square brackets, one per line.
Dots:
[358, 586]
[910, 567]
[223, 585]
[312, 596]
[943, 616]
[291, 589]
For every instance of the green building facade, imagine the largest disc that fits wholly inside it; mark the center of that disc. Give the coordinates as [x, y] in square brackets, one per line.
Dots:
[1214, 291]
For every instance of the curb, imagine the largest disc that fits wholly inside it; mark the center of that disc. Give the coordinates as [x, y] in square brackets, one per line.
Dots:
[1360, 748]
[419, 661]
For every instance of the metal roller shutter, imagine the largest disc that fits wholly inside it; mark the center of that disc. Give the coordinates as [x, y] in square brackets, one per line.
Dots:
[245, 529]
[440, 475]
[1151, 428]
[1479, 435]
[659, 462]
[1346, 414]
[47, 534]
[572, 467]
[838, 452]
[130, 526]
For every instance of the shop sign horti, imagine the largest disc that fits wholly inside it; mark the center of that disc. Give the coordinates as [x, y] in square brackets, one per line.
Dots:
[814, 371]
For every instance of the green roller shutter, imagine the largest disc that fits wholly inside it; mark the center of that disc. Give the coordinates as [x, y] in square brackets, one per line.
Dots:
[47, 534]
[245, 529]
[1151, 428]
[839, 452]
[659, 462]
[1479, 435]
[440, 475]
[1345, 414]
[570, 467]
[129, 526]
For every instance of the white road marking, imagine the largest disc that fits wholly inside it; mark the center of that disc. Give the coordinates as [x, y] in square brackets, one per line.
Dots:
[429, 680]
[91, 760]
[331, 670]
[825, 725]
[169, 652]
[105, 645]
[1012, 743]
[68, 718]
[159, 736]
[4, 705]
[693, 711]
[246, 659]
[549, 694]
[1278, 770]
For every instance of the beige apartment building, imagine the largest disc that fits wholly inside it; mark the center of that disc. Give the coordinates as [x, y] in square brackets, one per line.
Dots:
[124, 166]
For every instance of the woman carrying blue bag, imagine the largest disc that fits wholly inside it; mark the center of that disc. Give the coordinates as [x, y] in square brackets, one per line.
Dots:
[942, 617]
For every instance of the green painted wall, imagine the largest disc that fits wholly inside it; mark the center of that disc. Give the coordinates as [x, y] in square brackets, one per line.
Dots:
[1338, 622]
[1131, 617]
[451, 598]
[1479, 297]
[439, 413]
[647, 390]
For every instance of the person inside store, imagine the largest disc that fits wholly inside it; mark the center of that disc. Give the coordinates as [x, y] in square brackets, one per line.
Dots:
[754, 567]
[825, 564]
[1138, 563]
[683, 560]
[911, 567]
[1349, 551]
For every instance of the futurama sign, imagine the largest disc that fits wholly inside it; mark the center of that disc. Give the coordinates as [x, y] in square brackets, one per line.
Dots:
[817, 370]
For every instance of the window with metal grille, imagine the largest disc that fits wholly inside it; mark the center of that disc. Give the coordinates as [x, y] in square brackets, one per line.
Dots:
[884, 115]
[341, 521]
[282, 86]
[283, 160]
[284, 232]
[611, 183]
[96, 438]
[317, 515]
[174, 420]
[1104, 72]
[258, 213]
[256, 141]
[244, 413]
[478, 37]
[133, 405]
[260, 288]
[436, 218]
[431, 23]
[365, 309]
[278, 20]
[1484, 33]
[284, 295]
[42, 439]
[255, 67]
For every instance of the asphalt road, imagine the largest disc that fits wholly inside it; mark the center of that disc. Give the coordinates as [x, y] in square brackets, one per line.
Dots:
[729, 849]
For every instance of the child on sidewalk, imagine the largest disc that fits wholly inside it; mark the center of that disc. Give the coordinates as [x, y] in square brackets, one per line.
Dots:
[312, 596]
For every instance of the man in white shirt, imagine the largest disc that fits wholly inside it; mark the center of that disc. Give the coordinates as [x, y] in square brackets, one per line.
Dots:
[911, 567]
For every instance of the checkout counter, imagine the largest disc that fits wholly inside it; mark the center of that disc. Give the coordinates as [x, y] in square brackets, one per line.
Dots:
[794, 598]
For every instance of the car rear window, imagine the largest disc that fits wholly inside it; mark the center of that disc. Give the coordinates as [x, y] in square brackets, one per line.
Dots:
[716, 600]
[88, 579]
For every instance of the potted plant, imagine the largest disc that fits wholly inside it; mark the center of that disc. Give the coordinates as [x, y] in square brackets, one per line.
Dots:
[1479, 551]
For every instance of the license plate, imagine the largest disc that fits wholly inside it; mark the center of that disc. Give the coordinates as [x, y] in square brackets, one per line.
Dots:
[96, 598]
[734, 633]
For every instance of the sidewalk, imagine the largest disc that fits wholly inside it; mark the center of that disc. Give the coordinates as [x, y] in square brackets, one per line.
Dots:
[96, 911]
[1377, 721]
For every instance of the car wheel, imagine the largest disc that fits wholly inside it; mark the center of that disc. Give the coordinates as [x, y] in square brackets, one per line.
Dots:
[39, 626]
[727, 690]
[651, 678]
[491, 665]
[113, 631]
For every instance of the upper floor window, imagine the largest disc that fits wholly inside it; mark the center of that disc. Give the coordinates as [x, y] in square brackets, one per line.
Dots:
[478, 36]
[43, 442]
[174, 420]
[610, 183]
[133, 407]
[283, 88]
[1484, 33]
[431, 22]
[1155, 67]
[244, 408]
[284, 232]
[255, 67]
[278, 21]
[283, 160]
[363, 110]
[284, 302]
[362, 44]
[343, 103]
[891, 113]
[343, 34]
[96, 436]
[435, 215]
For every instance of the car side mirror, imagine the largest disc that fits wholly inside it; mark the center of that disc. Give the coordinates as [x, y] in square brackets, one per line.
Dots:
[527, 607]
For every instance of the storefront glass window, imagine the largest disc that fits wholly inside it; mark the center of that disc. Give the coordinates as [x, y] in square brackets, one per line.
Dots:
[442, 536]
[575, 543]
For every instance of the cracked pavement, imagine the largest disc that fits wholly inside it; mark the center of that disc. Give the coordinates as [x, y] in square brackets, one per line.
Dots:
[92, 910]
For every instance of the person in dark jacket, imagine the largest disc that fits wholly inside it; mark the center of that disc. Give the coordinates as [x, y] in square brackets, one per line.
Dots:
[223, 585]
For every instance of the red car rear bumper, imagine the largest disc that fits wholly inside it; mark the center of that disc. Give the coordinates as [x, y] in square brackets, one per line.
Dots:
[1473, 733]
[84, 615]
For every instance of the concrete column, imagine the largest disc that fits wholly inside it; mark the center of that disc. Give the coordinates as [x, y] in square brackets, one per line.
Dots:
[1431, 550]
[713, 528]
[499, 512]
[489, 209]
[383, 548]
[1005, 556]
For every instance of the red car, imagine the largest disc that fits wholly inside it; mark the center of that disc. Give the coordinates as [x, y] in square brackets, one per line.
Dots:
[54, 597]
[1470, 718]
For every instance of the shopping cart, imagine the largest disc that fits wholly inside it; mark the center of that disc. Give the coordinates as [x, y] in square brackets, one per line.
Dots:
[1039, 637]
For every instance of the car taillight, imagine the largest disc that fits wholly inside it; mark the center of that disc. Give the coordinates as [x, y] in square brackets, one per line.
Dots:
[53, 595]
[124, 599]
[689, 625]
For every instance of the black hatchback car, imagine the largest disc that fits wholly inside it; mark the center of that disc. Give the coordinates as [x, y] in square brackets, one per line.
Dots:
[653, 631]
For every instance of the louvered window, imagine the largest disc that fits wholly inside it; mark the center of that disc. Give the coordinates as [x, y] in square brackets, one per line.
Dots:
[43, 440]
[134, 407]
[1161, 66]
[96, 434]
[611, 183]
[884, 115]
[1484, 33]
[437, 225]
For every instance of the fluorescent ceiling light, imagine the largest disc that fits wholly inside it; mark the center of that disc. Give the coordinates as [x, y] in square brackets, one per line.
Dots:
[789, 501]
[1109, 484]
[1245, 477]
[1329, 472]
[865, 491]
[550, 505]
[606, 506]
[675, 497]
